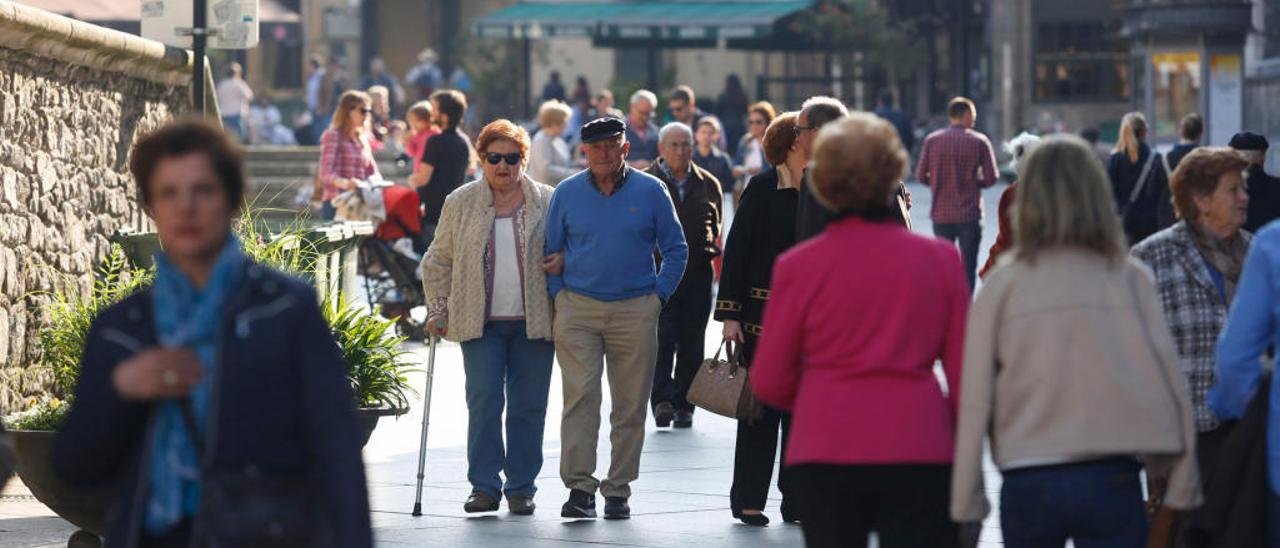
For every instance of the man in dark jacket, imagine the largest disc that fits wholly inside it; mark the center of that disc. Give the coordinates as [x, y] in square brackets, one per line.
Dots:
[899, 120]
[1264, 190]
[682, 326]
[1191, 128]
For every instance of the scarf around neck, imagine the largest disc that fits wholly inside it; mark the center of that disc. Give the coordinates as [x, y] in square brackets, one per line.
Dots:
[1226, 255]
[186, 316]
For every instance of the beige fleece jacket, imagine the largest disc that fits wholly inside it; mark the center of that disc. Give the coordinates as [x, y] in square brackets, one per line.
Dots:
[1069, 358]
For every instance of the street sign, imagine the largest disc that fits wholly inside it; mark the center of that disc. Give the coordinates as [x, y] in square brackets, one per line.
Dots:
[233, 24]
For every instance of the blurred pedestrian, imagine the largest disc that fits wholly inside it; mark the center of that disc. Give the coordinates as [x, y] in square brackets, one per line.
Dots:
[445, 159]
[749, 160]
[642, 132]
[1197, 264]
[683, 104]
[581, 91]
[549, 160]
[1264, 190]
[1247, 340]
[859, 467]
[554, 89]
[682, 327]
[426, 76]
[234, 97]
[378, 76]
[602, 105]
[762, 230]
[214, 436]
[957, 163]
[886, 109]
[421, 128]
[1017, 148]
[266, 126]
[607, 221]
[732, 109]
[380, 118]
[707, 155]
[346, 156]
[1190, 130]
[1139, 182]
[1091, 135]
[486, 290]
[1070, 370]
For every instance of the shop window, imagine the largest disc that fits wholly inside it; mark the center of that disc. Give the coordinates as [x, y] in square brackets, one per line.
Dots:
[1079, 61]
[1175, 90]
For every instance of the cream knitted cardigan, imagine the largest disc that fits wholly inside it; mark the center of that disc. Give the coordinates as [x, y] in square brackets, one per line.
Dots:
[453, 271]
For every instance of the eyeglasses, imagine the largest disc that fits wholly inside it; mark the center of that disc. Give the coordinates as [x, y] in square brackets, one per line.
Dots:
[494, 158]
[801, 129]
[365, 110]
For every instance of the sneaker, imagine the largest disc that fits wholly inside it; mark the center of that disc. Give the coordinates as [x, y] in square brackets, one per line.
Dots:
[663, 413]
[684, 419]
[581, 504]
[479, 501]
[616, 508]
[521, 505]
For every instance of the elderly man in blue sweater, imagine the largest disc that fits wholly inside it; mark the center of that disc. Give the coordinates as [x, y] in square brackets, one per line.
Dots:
[607, 221]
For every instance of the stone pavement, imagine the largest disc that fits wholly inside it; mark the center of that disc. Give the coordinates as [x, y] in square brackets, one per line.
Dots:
[680, 499]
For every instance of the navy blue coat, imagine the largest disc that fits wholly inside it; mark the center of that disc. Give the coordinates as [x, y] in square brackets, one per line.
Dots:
[281, 406]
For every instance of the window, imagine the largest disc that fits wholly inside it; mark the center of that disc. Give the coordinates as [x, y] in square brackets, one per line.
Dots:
[1079, 61]
[1175, 90]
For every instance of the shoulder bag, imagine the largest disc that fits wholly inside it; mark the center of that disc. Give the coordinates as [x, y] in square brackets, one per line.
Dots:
[721, 386]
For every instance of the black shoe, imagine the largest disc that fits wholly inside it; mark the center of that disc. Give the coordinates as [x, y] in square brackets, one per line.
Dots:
[521, 505]
[581, 504]
[789, 515]
[754, 520]
[663, 413]
[616, 508]
[480, 501]
[684, 419]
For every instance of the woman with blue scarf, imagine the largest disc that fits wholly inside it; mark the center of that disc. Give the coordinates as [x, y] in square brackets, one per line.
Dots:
[216, 399]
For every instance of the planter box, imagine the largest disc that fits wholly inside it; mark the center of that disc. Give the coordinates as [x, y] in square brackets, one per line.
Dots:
[84, 508]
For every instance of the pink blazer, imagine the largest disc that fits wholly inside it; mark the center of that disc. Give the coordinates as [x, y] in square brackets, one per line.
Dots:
[854, 324]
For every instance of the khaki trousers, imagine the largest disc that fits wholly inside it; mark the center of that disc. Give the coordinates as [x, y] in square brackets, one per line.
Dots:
[590, 333]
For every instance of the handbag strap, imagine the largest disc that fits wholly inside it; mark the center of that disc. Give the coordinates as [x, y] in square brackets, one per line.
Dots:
[1142, 178]
[725, 344]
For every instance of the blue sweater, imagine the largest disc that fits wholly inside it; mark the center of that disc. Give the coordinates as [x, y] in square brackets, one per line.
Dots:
[608, 241]
[1252, 325]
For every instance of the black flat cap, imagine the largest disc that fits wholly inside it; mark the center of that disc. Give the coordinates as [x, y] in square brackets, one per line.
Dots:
[602, 129]
[1248, 140]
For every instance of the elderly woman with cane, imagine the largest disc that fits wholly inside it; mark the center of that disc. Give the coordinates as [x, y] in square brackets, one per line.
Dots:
[487, 289]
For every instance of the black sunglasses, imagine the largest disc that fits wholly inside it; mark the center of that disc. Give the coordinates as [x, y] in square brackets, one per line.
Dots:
[512, 159]
[365, 111]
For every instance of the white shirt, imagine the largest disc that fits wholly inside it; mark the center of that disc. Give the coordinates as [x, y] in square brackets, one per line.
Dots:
[506, 300]
[233, 97]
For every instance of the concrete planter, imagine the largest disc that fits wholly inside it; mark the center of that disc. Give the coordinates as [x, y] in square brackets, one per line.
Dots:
[367, 420]
[84, 508]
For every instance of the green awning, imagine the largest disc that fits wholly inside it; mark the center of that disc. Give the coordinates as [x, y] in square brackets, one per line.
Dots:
[637, 20]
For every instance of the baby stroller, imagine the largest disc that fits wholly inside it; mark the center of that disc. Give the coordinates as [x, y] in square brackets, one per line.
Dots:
[389, 262]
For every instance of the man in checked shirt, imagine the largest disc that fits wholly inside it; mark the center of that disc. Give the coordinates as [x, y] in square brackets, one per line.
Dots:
[957, 163]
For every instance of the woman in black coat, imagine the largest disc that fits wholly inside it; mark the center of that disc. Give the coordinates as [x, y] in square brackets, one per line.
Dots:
[215, 399]
[1139, 181]
[763, 228]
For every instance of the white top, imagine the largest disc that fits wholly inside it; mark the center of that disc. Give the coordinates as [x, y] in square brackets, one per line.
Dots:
[233, 97]
[549, 161]
[753, 159]
[507, 294]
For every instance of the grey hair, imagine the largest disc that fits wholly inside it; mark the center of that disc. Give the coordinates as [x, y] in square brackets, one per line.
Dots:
[1064, 200]
[1019, 147]
[821, 110]
[644, 95]
[672, 127]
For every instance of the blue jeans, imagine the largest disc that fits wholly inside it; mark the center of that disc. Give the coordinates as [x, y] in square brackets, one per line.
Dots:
[504, 367]
[235, 126]
[1096, 504]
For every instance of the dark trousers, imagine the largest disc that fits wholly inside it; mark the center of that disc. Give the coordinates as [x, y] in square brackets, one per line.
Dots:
[969, 236]
[682, 332]
[906, 505]
[1096, 504]
[1273, 519]
[754, 455]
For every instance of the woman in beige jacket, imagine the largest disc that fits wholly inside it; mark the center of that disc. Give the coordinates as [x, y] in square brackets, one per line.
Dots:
[487, 290]
[1071, 372]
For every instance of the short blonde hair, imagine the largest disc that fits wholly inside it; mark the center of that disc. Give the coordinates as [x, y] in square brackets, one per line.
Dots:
[421, 109]
[1064, 200]
[1198, 174]
[857, 164]
[553, 112]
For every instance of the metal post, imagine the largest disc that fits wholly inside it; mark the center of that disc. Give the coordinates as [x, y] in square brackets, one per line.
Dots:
[199, 41]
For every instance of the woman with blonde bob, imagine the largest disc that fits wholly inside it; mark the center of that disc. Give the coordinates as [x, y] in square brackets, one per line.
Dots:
[486, 289]
[1071, 372]
[872, 429]
[549, 161]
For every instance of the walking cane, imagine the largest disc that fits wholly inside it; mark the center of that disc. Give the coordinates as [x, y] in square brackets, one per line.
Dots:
[426, 418]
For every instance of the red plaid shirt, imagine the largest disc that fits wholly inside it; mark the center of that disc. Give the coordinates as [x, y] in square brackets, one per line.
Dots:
[344, 157]
[957, 163]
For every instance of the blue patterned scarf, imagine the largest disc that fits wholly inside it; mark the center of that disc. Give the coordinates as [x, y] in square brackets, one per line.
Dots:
[186, 317]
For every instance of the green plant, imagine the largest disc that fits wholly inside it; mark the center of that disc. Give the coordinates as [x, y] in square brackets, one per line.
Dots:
[375, 362]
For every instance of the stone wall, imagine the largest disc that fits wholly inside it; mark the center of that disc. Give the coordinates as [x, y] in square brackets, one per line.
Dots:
[73, 99]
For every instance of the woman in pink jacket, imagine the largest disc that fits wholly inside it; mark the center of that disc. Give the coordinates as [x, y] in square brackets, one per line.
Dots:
[857, 318]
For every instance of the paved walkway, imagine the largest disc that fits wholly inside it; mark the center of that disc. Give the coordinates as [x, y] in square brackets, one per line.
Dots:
[681, 498]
